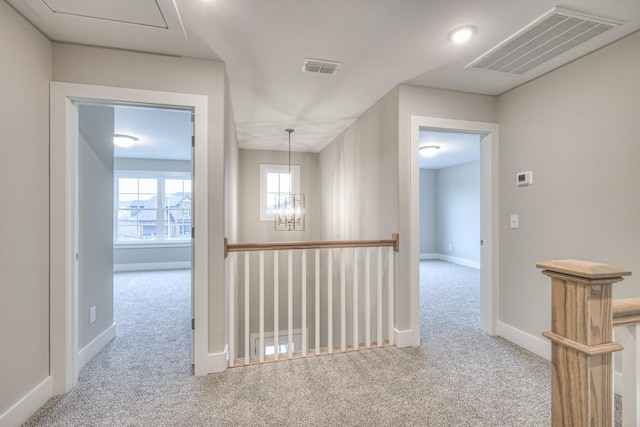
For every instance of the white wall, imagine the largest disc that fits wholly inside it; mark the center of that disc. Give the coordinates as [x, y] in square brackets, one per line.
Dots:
[95, 228]
[109, 67]
[428, 211]
[458, 211]
[132, 258]
[450, 213]
[24, 231]
[577, 129]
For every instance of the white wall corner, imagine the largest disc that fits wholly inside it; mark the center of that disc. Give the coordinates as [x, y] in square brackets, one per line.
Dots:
[28, 404]
[94, 347]
[536, 345]
[405, 338]
[429, 256]
[214, 363]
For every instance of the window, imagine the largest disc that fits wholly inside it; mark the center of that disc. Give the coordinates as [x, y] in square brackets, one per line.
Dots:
[276, 182]
[152, 207]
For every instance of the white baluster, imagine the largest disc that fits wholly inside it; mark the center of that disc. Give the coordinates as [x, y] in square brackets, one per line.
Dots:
[391, 300]
[261, 350]
[630, 375]
[304, 302]
[367, 299]
[276, 334]
[290, 305]
[317, 302]
[343, 302]
[379, 297]
[232, 304]
[330, 300]
[355, 299]
[247, 309]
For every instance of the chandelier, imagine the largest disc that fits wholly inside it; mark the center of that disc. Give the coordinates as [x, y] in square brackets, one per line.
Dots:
[290, 207]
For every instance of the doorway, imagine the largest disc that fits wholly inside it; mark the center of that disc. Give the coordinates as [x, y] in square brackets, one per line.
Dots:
[488, 242]
[134, 209]
[64, 172]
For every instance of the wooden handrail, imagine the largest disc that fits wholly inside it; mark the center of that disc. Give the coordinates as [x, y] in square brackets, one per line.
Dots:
[278, 246]
[626, 311]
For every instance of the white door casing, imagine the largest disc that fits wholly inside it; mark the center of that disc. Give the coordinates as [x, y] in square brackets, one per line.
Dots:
[488, 216]
[64, 217]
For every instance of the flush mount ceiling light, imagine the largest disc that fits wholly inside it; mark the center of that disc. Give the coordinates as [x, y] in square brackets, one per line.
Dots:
[124, 141]
[462, 34]
[429, 150]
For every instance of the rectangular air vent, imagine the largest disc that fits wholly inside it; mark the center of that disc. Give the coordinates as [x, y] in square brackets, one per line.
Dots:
[320, 66]
[551, 35]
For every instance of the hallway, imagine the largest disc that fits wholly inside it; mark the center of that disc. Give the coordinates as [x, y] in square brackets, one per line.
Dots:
[459, 377]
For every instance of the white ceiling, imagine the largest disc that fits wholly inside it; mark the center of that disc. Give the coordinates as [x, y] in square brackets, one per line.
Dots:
[162, 134]
[380, 43]
[455, 148]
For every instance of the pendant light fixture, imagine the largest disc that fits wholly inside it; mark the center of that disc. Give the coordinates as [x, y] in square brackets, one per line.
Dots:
[290, 207]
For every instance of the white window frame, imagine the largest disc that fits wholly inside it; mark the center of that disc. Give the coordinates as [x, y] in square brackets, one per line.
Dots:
[160, 176]
[266, 168]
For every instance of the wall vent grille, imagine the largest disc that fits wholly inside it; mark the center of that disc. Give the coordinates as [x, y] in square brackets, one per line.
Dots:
[553, 34]
[320, 66]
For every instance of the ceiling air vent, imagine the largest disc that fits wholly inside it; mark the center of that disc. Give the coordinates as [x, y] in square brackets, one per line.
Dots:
[320, 66]
[551, 35]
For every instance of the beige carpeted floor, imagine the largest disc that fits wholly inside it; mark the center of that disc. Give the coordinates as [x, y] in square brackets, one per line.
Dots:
[458, 377]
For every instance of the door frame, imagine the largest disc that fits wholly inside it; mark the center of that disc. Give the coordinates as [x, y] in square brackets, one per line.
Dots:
[489, 283]
[63, 193]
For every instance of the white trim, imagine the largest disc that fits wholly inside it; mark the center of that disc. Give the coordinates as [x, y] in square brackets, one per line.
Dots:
[452, 259]
[213, 363]
[618, 384]
[28, 404]
[535, 345]
[63, 166]
[459, 261]
[488, 216]
[94, 347]
[403, 338]
[150, 266]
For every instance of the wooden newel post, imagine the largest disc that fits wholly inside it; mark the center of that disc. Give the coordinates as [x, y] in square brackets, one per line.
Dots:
[581, 336]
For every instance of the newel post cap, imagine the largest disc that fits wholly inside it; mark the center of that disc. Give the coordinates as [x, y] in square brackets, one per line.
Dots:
[584, 269]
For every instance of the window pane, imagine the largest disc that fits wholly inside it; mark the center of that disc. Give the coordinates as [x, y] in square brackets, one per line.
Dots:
[128, 185]
[271, 203]
[273, 182]
[284, 183]
[148, 186]
[177, 226]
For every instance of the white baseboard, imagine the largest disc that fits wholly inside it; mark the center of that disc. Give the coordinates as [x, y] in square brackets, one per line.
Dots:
[148, 266]
[535, 345]
[405, 338]
[28, 405]
[455, 260]
[213, 363]
[94, 347]
[460, 261]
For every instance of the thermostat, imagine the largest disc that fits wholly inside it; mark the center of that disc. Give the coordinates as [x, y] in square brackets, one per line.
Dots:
[524, 179]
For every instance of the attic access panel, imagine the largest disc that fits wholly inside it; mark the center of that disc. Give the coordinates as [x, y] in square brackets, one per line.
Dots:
[138, 12]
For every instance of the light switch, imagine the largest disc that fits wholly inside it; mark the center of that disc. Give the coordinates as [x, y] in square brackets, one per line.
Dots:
[514, 221]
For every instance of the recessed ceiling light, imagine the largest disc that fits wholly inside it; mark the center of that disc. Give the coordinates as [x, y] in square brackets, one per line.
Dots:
[429, 150]
[462, 34]
[124, 141]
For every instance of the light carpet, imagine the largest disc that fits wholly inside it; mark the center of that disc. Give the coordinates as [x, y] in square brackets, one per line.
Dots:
[458, 377]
